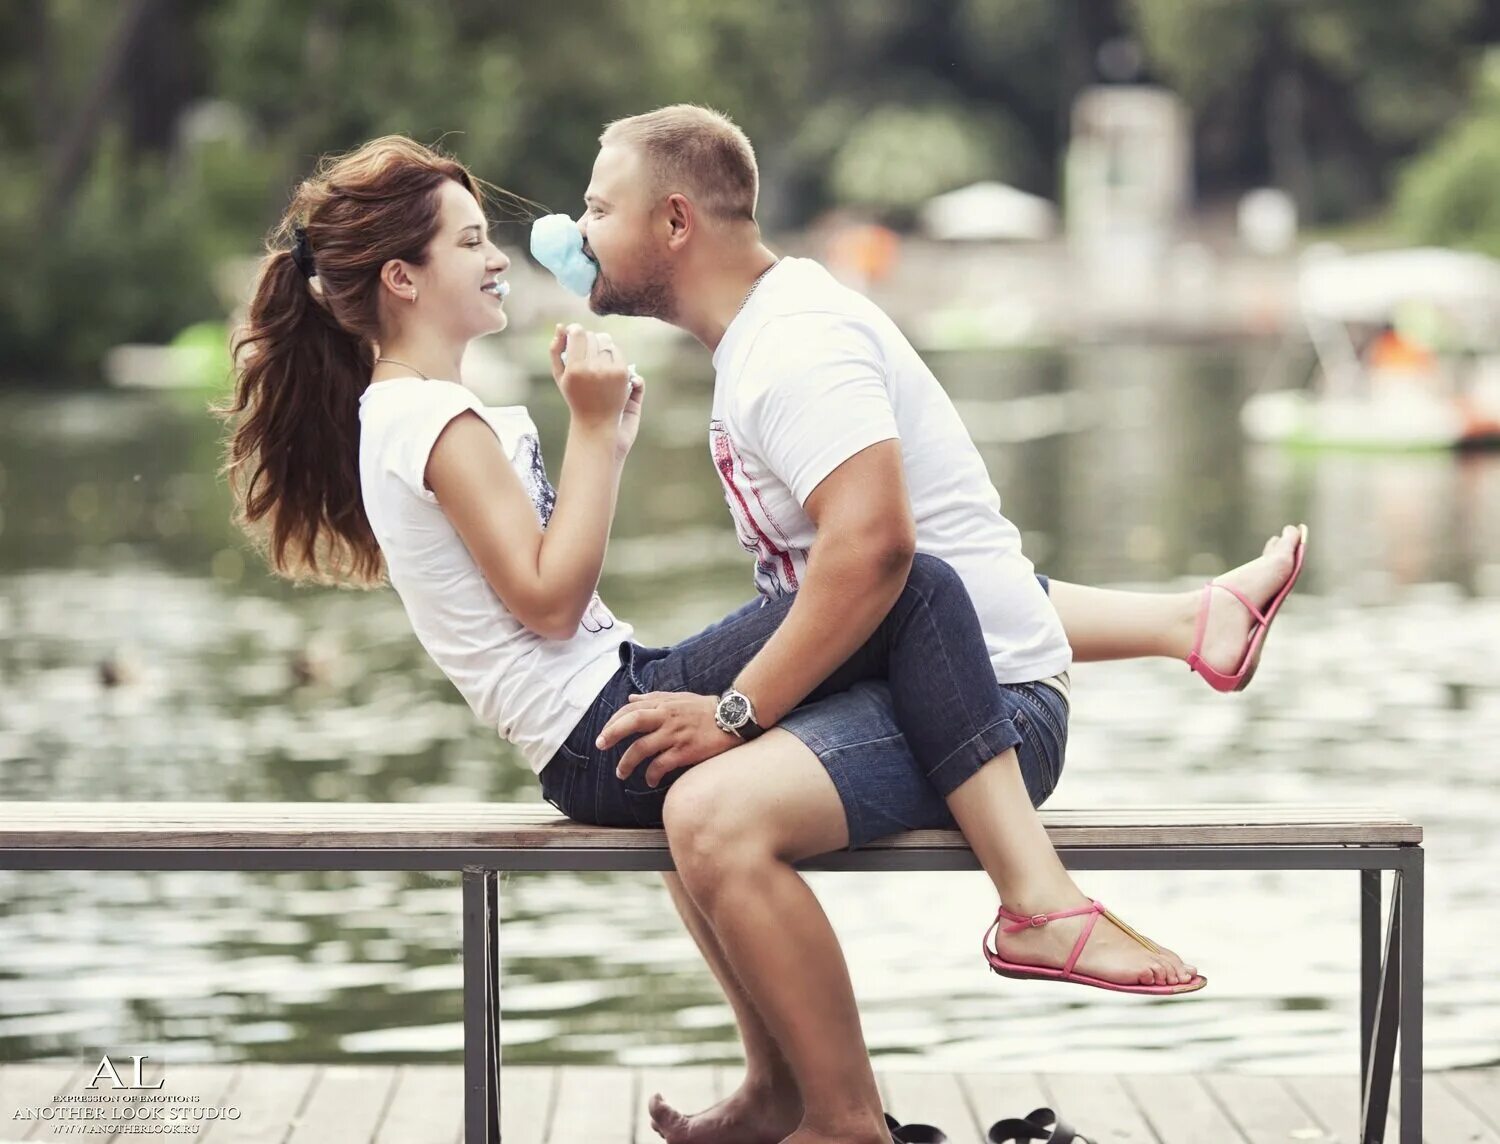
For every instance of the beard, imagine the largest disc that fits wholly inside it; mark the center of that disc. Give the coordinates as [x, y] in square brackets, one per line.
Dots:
[649, 297]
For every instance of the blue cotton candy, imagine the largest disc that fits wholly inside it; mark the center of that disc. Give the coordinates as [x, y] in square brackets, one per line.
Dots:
[557, 245]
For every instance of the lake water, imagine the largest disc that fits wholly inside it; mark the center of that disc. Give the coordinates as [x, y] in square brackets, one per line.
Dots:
[1121, 464]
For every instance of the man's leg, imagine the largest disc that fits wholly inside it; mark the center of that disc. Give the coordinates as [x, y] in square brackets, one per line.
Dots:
[769, 1091]
[1104, 623]
[733, 818]
[736, 824]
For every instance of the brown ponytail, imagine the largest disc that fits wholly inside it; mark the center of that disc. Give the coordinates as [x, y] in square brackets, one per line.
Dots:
[305, 353]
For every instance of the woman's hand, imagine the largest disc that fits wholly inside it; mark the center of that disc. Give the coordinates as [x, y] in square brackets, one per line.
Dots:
[630, 417]
[594, 381]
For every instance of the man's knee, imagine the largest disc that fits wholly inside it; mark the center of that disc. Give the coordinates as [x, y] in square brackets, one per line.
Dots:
[710, 838]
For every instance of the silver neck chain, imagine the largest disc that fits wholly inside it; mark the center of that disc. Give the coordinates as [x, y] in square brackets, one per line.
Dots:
[403, 365]
[759, 278]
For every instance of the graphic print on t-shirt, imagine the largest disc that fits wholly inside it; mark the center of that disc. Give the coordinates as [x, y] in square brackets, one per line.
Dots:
[533, 472]
[775, 561]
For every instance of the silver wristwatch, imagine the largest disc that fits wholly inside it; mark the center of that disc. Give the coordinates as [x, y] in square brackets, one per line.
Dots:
[736, 715]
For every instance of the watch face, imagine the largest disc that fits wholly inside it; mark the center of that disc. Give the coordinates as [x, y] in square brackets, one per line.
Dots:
[734, 709]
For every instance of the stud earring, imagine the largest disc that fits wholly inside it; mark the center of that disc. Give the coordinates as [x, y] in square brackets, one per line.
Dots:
[413, 293]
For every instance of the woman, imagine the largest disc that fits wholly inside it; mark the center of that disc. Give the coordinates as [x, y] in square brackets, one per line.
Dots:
[356, 454]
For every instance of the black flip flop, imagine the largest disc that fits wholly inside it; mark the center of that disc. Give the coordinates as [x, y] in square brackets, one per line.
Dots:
[914, 1133]
[1041, 1124]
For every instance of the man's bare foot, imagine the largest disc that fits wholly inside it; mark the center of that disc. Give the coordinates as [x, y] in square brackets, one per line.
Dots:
[1228, 620]
[751, 1115]
[1110, 954]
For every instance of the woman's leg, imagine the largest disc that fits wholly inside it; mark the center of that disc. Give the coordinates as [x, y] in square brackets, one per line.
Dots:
[962, 729]
[736, 825]
[956, 721]
[1007, 836]
[1100, 623]
[1104, 623]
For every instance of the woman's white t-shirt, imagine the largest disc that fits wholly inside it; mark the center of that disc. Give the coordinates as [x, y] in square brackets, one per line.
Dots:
[532, 690]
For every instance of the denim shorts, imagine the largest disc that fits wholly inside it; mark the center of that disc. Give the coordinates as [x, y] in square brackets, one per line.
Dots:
[855, 737]
[850, 726]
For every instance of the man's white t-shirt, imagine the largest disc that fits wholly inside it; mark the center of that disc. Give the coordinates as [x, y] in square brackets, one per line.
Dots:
[810, 373]
[533, 691]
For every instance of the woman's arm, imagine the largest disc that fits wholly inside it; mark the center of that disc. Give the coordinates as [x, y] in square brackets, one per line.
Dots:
[546, 578]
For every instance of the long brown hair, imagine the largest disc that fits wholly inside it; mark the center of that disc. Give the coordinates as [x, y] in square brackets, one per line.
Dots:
[305, 352]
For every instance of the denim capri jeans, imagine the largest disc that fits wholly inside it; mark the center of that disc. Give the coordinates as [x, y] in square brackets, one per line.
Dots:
[926, 669]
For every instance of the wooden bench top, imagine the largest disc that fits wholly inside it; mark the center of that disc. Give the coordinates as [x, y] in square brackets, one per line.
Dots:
[537, 826]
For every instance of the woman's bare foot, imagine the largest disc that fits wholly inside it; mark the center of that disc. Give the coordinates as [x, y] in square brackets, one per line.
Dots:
[1228, 620]
[1110, 954]
[751, 1115]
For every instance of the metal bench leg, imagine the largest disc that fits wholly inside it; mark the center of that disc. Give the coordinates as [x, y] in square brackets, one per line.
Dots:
[1369, 967]
[1381, 1052]
[1411, 998]
[481, 1007]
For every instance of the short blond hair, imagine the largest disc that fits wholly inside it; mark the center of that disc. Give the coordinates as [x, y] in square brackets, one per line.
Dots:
[698, 150]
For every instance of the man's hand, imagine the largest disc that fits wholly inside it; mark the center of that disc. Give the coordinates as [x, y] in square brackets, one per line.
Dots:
[677, 727]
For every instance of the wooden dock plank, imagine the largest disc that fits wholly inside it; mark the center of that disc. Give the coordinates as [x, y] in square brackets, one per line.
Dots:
[210, 1083]
[427, 1107]
[125, 1109]
[1264, 1108]
[996, 1096]
[526, 1100]
[33, 1085]
[347, 1101]
[1179, 1109]
[1448, 1119]
[422, 1104]
[688, 1089]
[1479, 1089]
[1098, 1106]
[1333, 1103]
[931, 1098]
[594, 1105]
[270, 1099]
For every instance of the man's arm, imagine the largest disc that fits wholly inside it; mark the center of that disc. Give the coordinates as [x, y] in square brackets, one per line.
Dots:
[855, 572]
[817, 412]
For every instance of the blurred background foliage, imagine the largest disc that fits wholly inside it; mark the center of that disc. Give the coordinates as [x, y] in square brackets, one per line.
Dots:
[144, 141]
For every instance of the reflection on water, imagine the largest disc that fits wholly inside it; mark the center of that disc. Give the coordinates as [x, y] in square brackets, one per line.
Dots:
[1122, 464]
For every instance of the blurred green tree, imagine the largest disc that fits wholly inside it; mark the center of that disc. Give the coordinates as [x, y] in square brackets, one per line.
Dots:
[1321, 97]
[143, 142]
[1447, 195]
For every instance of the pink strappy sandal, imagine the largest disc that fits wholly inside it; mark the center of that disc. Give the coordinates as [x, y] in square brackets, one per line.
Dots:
[1023, 972]
[1242, 676]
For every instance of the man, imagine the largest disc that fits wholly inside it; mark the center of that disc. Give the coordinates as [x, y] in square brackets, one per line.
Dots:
[840, 456]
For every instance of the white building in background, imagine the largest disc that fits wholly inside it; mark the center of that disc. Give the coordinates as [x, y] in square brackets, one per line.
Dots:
[988, 212]
[1127, 186]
